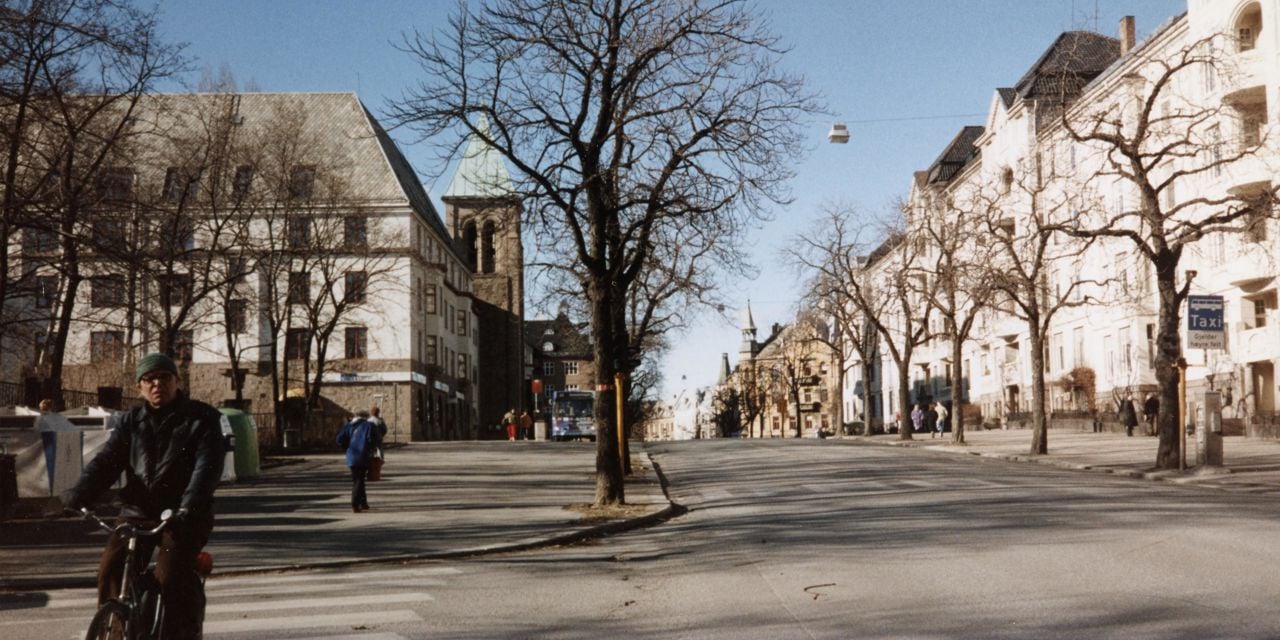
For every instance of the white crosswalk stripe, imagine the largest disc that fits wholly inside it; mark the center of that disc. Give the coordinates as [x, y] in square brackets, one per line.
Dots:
[319, 604]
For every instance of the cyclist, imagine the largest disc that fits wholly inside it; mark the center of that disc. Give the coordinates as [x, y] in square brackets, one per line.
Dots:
[171, 453]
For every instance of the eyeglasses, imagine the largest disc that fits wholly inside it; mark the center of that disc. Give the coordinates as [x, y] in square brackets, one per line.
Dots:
[156, 379]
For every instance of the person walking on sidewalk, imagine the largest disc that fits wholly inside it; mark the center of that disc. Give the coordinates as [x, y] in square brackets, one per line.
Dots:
[917, 418]
[361, 439]
[509, 421]
[1149, 410]
[1128, 415]
[171, 453]
[526, 425]
[375, 416]
[931, 420]
[943, 415]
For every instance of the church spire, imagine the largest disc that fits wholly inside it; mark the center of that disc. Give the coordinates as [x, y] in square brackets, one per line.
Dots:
[747, 350]
[482, 173]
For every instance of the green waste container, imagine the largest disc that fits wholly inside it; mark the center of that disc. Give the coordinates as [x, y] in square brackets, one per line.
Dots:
[246, 433]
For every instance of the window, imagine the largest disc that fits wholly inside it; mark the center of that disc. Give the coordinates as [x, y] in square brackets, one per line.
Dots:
[179, 184]
[297, 344]
[302, 180]
[237, 316]
[355, 233]
[108, 233]
[570, 368]
[106, 291]
[299, 288]
[460, 324]
[243, 181]
[432, 303]
[432, 357]
[1259, 313]
[1151, 346]
[357, 343]
[488, 253]
[106, 347]
[185, 347]
[548, 346]
[548, 368]
[357, 284]
[1255, 225]
[46, 291]
[462, 366]
[299, 232]
[174, 290]
[115, 184]
[39, 241]
[237, 269]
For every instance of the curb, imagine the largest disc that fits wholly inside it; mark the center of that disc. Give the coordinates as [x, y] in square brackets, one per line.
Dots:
[574, 536]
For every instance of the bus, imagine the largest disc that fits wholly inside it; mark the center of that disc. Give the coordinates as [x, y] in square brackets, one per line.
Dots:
[573, 415]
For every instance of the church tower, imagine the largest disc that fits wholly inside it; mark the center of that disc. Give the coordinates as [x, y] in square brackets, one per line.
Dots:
[483, 213]
[747, 350]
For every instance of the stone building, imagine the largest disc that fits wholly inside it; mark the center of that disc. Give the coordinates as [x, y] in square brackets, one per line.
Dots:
[484, 217]
[288, 224]
[562, 358]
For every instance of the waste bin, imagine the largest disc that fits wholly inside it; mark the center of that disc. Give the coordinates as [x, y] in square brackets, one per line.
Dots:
[245, 430]
[229, 446]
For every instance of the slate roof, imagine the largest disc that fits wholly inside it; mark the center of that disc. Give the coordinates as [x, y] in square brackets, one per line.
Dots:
[569, 338]
[1074, 58]
[1007, 96]
[958, 153]
[346, 136]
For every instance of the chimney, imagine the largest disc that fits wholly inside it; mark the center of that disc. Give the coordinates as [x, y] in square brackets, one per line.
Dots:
[1126, 35]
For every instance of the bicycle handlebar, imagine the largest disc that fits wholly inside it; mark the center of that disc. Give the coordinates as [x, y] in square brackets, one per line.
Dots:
[166, 517]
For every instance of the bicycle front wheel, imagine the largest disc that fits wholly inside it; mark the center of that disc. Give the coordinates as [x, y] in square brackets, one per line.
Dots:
[110, 623]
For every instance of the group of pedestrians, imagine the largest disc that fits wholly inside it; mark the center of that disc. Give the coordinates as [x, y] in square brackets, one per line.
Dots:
[518, 427]
[931, 417]
[1129, 414]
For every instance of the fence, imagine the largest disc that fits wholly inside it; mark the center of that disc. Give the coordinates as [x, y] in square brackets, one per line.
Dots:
[315, 432]
[17, 394]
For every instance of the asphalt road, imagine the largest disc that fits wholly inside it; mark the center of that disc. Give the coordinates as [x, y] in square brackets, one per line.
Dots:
[809, 539]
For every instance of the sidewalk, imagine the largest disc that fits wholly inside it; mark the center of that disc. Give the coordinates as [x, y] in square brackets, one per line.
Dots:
[1250, 464]
[436, 500]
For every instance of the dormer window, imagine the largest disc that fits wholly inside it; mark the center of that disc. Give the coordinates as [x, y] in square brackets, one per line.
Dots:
[548, 347]
[1248, 28]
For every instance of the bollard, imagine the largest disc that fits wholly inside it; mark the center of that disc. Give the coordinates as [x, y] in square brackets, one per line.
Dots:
[1209, 432]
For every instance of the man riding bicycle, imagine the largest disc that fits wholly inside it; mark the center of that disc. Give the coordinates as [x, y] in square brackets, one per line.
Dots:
[171, 452]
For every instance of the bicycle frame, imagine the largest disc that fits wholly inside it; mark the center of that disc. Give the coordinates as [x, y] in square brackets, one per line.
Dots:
[127, 597]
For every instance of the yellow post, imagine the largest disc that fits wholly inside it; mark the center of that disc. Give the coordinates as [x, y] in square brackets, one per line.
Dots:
[1182, 414]
[622, 433]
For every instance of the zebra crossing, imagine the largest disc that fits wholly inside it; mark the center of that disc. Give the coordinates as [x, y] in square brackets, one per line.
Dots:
[314, 605]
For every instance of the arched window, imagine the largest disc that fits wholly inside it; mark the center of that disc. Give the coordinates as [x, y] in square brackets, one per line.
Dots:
[469, 241]
[488, 253]
[1248, 26]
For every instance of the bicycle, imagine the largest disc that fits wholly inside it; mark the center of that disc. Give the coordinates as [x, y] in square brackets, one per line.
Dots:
[137, 613]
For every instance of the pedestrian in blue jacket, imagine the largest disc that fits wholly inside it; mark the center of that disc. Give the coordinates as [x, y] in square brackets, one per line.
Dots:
[361, 438]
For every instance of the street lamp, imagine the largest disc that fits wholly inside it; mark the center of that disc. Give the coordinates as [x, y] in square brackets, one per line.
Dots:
[839, 134]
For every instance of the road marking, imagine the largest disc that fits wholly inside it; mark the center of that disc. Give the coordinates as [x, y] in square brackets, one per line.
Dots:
[386, 635]
[346, 619]
[218, 583]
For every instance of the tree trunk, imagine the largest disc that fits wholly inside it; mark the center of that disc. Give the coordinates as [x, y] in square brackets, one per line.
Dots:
[609, 483]
[1039, 421]
[866, 398]
[1168, 351]
[957, 393]
[904, 401]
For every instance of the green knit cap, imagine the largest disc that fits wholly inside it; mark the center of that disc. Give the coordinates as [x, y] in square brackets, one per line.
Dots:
[154, 362]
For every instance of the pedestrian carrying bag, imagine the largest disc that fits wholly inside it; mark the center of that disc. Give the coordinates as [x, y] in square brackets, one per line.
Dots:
[375, 468]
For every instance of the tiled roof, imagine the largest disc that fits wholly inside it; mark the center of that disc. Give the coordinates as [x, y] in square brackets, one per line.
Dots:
[958, 153]
[568, 338]
[1007, 96]
[1074, 58]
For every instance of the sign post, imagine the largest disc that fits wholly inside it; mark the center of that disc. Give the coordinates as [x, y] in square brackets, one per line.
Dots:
[1205, 328]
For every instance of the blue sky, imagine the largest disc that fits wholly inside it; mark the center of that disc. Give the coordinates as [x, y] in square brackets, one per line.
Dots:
[872, 60]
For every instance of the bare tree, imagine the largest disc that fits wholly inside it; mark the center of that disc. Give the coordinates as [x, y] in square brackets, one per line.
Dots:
[73, 72]
[1159, 144]
[1032, 276]
[618, 116]
[829, 256]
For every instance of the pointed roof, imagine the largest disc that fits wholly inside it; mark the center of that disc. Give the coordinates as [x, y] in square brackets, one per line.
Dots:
[959, 153]
[751, 324]
[1074, 58]
[482, 173]
[724, 369]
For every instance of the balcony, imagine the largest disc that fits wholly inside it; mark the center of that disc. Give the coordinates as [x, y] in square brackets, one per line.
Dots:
[808, 381]
[1250, 174]
[1255, 344]
[1244, 78]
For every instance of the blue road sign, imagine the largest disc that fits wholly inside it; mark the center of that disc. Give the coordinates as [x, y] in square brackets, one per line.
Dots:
[1205, 328]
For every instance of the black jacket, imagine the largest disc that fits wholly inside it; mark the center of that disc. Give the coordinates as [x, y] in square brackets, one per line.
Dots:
[171, 459]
